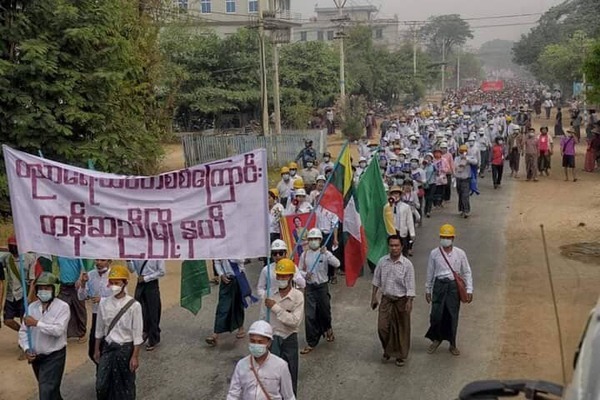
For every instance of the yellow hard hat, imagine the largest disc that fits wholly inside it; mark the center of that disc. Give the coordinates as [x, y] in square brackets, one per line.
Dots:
[285, 267]
[463, 147]
[118, 272]
[447, 230]
[508, 119]
[284, 170]
[274, 192]
[299, 184]
[293, 165]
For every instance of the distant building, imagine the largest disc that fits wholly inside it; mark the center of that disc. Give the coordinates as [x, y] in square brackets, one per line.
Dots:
[225, 17]
[386, 32]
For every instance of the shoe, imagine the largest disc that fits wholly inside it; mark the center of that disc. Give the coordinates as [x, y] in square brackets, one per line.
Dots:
[399, 362]
[433, 346]
[454, 351]
[385, 358]
[428, 215]
[465, 215]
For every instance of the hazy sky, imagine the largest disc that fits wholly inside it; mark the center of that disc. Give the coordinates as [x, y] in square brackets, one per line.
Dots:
[422, 9]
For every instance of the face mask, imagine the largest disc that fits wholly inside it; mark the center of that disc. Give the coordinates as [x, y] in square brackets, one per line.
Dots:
[293, 172]
[414, 165]
[314, 244]
[44, 295]
[393, 162]
[286, 177]
[362, 164]
[401, 159]
[500, 141]
[309, 164]
[257, 350]
[115, 289]
[282, 284]
[471, 143]
[326, 159]
[446, 242]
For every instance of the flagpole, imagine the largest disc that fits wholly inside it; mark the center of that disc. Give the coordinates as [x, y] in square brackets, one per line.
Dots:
[324, 245]
[25, 301]
[327, 182]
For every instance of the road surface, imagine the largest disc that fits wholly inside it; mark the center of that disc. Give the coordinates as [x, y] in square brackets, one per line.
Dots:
[184, 367]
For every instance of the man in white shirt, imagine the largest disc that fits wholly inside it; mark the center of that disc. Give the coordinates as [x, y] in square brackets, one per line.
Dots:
[287, 311]
[327, 222]
[403, 219]
[441, 289]
[285, 186]
[327, 163]
[120, 326]
[395, 277]
[267, 278]
[299, 205]
[261, 375]
[147, 292]
[94, 286]
[47, 320]
[275, 213]
[314, 264]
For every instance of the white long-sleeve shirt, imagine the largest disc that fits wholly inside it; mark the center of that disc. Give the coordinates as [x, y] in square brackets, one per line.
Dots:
[128, 329]
[273, 373]
[96, 286]
[287, 314]
[261, 287]
[319, 274]
[223, 267]
[50, 334]
[437, 268]
[153, 270]
[403, 220]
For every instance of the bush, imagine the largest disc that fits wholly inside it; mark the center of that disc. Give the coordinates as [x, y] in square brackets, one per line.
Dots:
[353, 114]
[296, 116]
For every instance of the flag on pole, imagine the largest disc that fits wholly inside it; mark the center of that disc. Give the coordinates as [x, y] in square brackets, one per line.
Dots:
[340, 199]
[194, 284]
[372, 199]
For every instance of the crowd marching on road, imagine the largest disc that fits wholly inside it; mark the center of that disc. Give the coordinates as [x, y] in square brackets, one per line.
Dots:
[424, 154]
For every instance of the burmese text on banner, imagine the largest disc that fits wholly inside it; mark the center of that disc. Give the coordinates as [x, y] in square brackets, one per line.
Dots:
[209, 211]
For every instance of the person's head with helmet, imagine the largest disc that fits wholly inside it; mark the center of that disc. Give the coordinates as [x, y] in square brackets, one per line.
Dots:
[285, 173]
[396, 193]
[118, 276]
[472, 139]
[444, 147]
[293, 168]
[260, 335]
[326, 156]
[447, 235]
[298, 184]
[315, 236]
[45, 286]
[308, 143]
[463, 149]
[362, 162]
[284, 273]
[12, 246]
[321, 182]
[279, 249]
[414, 163]
[300, 196]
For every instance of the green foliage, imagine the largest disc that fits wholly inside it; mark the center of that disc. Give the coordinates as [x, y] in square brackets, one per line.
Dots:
[77, 81]
[470, 67]
[592, 70]
[443, 33]
[354, 112]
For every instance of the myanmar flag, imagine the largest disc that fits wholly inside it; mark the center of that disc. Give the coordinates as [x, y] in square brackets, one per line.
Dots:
[340, 199]
[372, 197]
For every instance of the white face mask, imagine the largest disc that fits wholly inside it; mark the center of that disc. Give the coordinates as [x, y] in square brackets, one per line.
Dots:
[401, 159]
[446, 242]
[314, 244]
[393, 162]
[282, 284]
[286, 177]
[362, 164]
[257, 350]
[309, 164]
[44, 295]
[326, 159]
[414, 165]
[115, 289]
[500, 141]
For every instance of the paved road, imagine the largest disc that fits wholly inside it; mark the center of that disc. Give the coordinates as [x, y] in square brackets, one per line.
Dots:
[350, 368]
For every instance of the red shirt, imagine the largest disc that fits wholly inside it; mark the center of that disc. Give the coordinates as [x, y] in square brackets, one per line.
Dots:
[497, 155]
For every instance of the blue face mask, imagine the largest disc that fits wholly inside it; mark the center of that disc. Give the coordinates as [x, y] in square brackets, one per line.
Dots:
[257, 350]
[44, 295]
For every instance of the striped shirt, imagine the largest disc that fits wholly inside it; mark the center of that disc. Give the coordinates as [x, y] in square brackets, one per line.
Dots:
[395, 278]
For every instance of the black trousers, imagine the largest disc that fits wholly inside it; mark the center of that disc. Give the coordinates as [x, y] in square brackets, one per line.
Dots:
[49, 370]
[406, 244]
[429, 192]
[288, 350]
[445, 308]
[448, 188]
[92, 340]
[148, 294]
[497, 171]
[317, 311]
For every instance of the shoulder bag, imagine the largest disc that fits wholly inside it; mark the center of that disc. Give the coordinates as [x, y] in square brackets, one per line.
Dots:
[258, 379]
[460, 282]
[119, 315]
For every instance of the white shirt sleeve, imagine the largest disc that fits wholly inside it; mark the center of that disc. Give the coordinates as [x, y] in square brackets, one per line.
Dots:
[430, 274]
[410, 223]
[331, 259]
[465, 272]
[287, 391]
[261, 286]
[299, 279]
[159, 272]
[235, 388]
[57, 327]
[99, 334]
[137, 323]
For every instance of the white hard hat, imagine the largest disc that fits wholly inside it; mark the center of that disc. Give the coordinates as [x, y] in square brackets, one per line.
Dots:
[467, 117]
[417, 135]
[261, 328]
[314, 233]
[412, 137]
[444, 145]
[430, 129]
[393, 157]
[321, 178]
[394, 125]
[481, 130]
[404, 152]
[362, 159]
[300, 192]
[472, 136]
[278, 244]
[439, 135]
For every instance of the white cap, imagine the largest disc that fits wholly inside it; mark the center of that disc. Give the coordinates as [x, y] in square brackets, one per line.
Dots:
[278, 244]
[321, 178]
[261, 328]
[300, 192]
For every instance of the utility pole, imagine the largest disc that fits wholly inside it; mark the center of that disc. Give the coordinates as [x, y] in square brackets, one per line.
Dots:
[340, 6]
[458, 70]
[443, 66]
[415, 49]
[263, 71]
[276, 100]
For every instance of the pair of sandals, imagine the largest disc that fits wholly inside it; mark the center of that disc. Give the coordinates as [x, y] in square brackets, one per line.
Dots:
[213, 339]
[435, 344]
[399, 362]
[329, 336]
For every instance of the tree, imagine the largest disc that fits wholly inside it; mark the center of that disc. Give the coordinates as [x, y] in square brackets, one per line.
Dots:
[592, 70]
[470, 67]
[497, 54]
[77, 81]
[443, 33]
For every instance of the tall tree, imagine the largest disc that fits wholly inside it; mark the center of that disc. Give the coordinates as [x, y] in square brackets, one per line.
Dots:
[443, 33]
[592, 70]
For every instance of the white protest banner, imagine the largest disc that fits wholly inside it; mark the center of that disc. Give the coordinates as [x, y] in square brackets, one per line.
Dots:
[217, 210]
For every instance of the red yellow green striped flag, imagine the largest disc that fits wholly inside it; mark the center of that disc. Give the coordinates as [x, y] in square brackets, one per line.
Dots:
[340, 199]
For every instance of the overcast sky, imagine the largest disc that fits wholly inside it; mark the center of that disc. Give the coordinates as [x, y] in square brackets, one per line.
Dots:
[422, 9]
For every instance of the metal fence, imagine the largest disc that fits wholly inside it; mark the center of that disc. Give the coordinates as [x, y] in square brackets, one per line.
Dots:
[281, 149]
